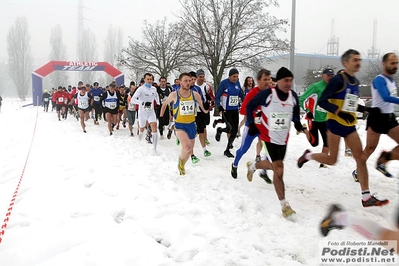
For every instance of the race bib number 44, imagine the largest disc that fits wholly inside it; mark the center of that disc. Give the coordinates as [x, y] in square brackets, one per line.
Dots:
[279, 121]
[186, 108]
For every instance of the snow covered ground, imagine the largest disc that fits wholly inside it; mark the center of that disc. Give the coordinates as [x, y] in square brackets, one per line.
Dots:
[95, 199]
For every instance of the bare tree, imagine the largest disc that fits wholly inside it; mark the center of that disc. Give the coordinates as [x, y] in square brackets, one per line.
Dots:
[113, 49]
[227, 33]
[163, 49]
[58, 53]
[314, 75]
[19, 56]
[88, 53]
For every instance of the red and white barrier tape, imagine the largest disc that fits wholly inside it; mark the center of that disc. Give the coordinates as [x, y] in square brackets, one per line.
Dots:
[8, 214]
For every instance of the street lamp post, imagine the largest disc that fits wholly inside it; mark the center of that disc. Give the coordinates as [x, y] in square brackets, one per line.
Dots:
[292, 48]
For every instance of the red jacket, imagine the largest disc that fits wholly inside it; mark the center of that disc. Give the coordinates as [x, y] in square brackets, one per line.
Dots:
[61, 98]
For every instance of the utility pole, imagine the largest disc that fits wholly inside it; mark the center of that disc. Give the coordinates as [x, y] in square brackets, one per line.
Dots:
[79, 37]
[292, 48]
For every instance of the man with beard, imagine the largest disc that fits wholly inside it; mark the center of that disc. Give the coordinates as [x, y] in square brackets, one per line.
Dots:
[383, 91]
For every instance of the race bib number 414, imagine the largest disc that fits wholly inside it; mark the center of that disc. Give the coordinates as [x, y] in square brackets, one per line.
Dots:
[186, 108]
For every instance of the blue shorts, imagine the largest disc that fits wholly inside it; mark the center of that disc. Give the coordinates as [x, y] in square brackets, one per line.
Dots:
[190, 129]
[339, 129]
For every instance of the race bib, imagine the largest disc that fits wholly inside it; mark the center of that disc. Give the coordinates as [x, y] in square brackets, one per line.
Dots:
[279, 121]
[186, 108]
[112, 105]
[97, 98]
[147, 107]
[233, 100]
[83, 104]
[46, 99]
[61, 99]
[350, 103]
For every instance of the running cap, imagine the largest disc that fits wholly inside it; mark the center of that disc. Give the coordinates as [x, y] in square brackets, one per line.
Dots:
[328, 71]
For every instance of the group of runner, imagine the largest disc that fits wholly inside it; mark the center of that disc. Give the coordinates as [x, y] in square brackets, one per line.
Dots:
[268, 110]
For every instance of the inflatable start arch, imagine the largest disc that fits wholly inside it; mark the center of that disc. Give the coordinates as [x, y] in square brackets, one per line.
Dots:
[39, 74]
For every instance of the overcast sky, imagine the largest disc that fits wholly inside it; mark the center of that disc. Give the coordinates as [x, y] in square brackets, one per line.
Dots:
[353, 22]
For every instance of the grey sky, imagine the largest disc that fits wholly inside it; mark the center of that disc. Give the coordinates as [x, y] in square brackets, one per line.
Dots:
[353, 22]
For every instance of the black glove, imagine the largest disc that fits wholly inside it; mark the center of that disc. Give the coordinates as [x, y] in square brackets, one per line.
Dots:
[298, 126]
[373, 110]
[253, 130]
[309, 115]
[220, 108]
[346, 116]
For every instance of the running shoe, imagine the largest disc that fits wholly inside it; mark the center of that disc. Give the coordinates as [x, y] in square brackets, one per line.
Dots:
[354, 175]
[383, 170]
[218, 134]
[264, 176]
[250, 173]
[207, 153]
[215, 122]
[348, 153]
[207, 142]
[328, 222]
[194, 159]
[322, 165]
[373, 201]
[177, 142]
[381, 164]
[180, 166]
[233, 171]
[170, 131]
[287, 210]
[302, 160]
[228, 154]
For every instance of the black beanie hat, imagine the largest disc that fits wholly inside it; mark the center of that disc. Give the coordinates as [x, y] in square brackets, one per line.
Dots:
[233, 71]
[284, 73]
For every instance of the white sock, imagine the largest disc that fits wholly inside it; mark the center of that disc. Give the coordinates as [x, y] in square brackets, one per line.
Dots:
[154, 140]
[204, 148]
[308, 156]
[366, 194]
[283, 201]
[252, 166]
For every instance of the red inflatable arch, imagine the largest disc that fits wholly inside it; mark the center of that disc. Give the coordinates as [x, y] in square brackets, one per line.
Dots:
[39, 74]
